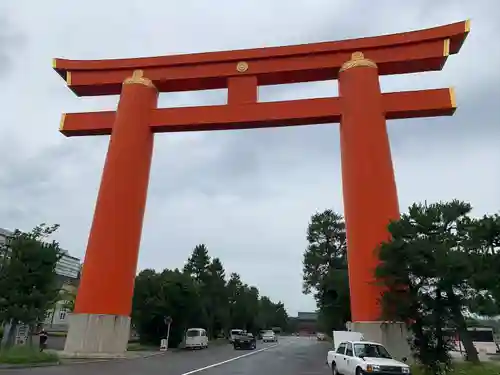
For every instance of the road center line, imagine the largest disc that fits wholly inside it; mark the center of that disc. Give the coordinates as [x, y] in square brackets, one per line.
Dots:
[229, 360]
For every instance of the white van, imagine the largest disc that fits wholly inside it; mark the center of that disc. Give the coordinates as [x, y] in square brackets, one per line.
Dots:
[196, 338]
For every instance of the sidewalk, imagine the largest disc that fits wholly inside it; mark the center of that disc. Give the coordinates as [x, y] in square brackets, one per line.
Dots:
[483, 357]
[65, 359]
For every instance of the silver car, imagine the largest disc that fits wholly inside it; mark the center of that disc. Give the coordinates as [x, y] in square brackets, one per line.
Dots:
[269, 336]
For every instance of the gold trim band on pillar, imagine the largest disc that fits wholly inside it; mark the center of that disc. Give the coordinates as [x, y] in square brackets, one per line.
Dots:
[138, 78]
[357, 60]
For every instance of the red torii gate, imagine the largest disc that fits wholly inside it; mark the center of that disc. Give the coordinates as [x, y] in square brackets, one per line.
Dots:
[369, 189]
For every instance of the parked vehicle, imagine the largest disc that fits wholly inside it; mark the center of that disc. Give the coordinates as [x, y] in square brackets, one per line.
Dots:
[364, 357]
[244, 340]
[233, 333]
[269, 336]
[196, 338]
[320, 336]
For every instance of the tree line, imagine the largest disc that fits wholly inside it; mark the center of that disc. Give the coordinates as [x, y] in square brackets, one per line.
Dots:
[440, 267]
[28, 282]
[200, 295]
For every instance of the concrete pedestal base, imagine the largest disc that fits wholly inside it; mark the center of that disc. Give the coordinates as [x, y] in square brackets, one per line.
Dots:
[394, 336]
[97, 336]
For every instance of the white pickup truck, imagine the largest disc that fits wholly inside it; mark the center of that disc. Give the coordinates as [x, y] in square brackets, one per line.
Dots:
[364, 357]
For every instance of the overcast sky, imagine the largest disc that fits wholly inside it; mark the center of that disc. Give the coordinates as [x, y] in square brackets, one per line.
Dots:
[248, 195]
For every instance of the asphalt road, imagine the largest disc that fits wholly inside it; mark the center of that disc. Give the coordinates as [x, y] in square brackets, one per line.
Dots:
[291, 356]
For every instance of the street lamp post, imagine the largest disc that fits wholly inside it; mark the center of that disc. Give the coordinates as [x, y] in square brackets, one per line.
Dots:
[168, 322]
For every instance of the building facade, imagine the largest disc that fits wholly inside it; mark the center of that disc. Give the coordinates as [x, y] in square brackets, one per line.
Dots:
[307, 323]
[68, 270]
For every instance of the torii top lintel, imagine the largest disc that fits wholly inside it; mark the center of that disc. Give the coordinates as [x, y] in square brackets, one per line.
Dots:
[410, 52]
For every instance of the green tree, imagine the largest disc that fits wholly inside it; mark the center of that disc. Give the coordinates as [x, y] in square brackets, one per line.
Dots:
[217, 302]
[159, 295]
[325, 269]
[484, 247]
[279, 316]
[272, 315]
[237, 309]
[266, 312]
[198, 263]
[429, 267]
[28, 284]
[198, 267]
[250, 304]
[199, 296]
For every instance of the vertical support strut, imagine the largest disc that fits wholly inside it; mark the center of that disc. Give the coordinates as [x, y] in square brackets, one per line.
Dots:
[242, 90]
[107, 283]
[369, 187]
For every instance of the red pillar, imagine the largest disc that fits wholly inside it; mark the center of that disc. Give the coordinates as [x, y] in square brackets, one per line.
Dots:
[369, 187]
[109, 269]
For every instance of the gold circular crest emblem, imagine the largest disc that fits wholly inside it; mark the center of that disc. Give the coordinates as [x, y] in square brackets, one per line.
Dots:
[242, 67]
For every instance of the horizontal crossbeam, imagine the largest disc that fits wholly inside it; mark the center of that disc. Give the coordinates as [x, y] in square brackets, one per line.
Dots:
[398, 105]
[417, 51]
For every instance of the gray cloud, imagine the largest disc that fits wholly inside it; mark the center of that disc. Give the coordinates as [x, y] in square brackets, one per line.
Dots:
[12, 40]
[247, 194]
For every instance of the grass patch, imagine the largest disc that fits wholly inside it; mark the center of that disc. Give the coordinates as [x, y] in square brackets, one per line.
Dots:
[469, 369]
[26, 355]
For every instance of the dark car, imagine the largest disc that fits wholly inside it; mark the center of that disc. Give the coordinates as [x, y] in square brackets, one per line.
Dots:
[245, 340]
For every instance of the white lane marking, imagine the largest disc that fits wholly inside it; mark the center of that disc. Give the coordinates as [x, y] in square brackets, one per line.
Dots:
[229, 360]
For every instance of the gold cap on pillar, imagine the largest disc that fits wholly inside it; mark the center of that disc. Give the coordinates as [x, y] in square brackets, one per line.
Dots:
[357, 60]
[138, 78]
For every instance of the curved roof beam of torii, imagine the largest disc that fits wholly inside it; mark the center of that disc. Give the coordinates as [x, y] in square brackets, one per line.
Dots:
[410, 52]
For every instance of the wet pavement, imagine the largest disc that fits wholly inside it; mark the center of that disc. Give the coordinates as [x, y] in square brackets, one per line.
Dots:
[291, 356]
